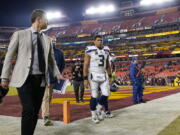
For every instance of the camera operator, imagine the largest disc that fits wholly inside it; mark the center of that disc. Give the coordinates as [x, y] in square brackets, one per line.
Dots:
[78, 83]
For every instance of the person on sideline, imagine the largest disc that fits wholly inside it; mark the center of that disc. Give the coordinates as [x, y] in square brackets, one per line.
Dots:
[136, 77]
[30, 74]
[59, 57]
[78, 82]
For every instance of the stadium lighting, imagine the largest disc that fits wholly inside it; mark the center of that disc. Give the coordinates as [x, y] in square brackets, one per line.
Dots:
[111, 8]
[151, 2]
[91, 10]
[102, 9]
[54, 15]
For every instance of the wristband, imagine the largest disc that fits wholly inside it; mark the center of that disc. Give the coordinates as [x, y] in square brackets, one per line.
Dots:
[110, 76]
[85, 77]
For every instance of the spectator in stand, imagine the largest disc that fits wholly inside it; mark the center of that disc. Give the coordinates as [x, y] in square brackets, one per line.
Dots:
[172, 81]
[177, 80]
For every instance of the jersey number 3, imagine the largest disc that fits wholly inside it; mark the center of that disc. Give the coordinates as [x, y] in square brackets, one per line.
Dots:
[101, 60]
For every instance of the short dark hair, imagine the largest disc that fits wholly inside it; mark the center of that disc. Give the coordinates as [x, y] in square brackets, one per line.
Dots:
[97, 36]
[37, 13]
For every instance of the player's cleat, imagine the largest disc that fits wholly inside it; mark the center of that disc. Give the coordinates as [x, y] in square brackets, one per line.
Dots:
[100, 115]
[99, 112]
[108, 114]
[95, 119]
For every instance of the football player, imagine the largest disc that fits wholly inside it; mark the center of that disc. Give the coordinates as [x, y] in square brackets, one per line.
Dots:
[97, 74]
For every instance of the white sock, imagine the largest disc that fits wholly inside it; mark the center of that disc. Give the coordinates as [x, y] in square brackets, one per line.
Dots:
[99, 107]
[93, 113]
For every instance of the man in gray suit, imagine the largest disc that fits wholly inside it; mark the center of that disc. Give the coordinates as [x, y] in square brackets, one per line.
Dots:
[30, 74]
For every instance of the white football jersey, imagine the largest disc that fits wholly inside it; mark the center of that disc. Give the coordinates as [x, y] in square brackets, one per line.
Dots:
[98, 58]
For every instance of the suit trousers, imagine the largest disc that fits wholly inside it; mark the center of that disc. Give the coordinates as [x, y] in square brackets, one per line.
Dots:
[31, 94]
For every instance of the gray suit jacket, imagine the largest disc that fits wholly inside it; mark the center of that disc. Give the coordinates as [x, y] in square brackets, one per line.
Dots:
[21, 46]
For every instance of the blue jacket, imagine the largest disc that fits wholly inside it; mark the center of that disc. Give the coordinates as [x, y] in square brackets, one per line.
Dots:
[59, 57]
[135, 74]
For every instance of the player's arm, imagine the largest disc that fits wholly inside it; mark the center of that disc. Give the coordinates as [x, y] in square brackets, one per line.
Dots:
[86, 69]
[86, 65]
[108, 68]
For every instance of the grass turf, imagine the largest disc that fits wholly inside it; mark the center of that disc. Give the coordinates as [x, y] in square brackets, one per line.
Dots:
[172, 129]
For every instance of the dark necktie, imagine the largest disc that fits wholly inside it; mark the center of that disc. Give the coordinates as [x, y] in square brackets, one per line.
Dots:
[40, 51]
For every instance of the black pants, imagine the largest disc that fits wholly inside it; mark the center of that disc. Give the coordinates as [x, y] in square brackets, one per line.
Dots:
[78, 85]
[30, 94]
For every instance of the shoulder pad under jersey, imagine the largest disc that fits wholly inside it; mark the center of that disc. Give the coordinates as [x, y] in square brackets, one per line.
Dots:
[90, 49]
